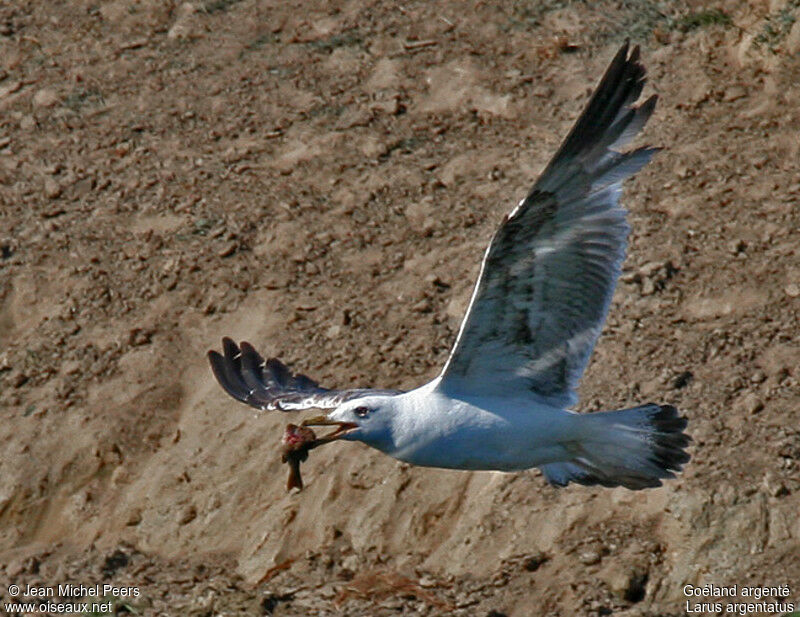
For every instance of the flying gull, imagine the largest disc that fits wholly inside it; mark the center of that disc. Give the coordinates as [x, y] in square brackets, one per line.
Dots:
[545, 286]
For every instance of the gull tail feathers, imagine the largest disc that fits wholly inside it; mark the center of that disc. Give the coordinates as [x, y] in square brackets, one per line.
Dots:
[636, 448]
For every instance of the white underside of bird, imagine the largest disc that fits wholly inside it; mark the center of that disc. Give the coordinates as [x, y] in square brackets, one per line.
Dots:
[504, 433]
[430, 427]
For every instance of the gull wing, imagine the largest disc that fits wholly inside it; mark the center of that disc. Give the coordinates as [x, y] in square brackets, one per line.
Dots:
[549, 273]
[269, 384]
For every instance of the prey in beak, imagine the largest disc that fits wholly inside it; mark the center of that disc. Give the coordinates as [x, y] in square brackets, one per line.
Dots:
[299, 440]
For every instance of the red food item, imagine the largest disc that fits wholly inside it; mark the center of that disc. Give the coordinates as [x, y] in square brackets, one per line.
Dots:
[297, 441]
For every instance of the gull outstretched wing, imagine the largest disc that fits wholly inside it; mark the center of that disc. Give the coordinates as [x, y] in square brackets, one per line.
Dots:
[269, 384]
[550, 271]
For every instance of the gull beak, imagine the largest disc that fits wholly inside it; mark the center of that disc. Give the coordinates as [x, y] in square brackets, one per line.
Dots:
[342, 428]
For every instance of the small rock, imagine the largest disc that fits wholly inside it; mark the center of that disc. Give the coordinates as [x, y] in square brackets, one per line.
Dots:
[750, 404]
[533, 562]
[120, 476]
[328, 593]
[648, 287]
[420, 216]
[683, 171]
[682, 380]
[15, 568]
[9, 88]
[792, 289]
[427, 582]
[629, 584]
[139, 336]
[774, 486]
[435, 280]
[83, 187]
[186, 515]
[423, 306]
[737, 246]
[351, 562]
[27, 123]
[181, 28]
[228, 249]
[734, 93]
[334, 331]
[18, 379]
[134, 517]
[650, 268]
[45, 98]
[589, 558]
[52, 189]
[53, 211]
[113, 562]
[71, 367]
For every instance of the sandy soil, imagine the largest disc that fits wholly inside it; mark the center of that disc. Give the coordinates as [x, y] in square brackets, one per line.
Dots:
[321, 179]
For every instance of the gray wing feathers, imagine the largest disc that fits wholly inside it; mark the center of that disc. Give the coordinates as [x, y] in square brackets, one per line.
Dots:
[269, 384]
[549, 273]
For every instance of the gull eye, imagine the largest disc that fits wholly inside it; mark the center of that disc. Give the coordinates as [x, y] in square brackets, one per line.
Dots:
[361, 412]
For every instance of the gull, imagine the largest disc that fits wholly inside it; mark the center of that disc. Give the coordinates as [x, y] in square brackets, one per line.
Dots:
[502, 400]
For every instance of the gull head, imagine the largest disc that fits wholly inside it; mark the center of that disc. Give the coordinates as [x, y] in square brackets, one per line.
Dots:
[369, 419]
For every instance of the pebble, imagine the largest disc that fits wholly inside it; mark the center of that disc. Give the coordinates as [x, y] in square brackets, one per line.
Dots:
[27, 123]
[228, 249]
[420, 216]
[45, 98]
[619, 582]
[71, 367]
[18, 380]
[10, 88]
[774, 486]
[15, 568]
[423, 306]
[650, 268]
[792, 290]
[139, 336]
[737, 246]
[134, 517]
[532, 563]
[351, 562]
[181, 29]
[427, 582]
[186, 515]
[589, 558]
[750, 404]
[734, 93]
[52, 189]
[83, 187]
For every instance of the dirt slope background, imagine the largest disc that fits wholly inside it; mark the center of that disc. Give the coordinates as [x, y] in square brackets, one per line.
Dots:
[321, 179]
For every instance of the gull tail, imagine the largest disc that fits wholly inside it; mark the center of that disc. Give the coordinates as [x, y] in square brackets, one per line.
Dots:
[635, 448]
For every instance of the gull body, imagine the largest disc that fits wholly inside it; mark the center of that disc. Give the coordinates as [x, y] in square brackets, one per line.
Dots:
[430, 427]
[426, 427]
